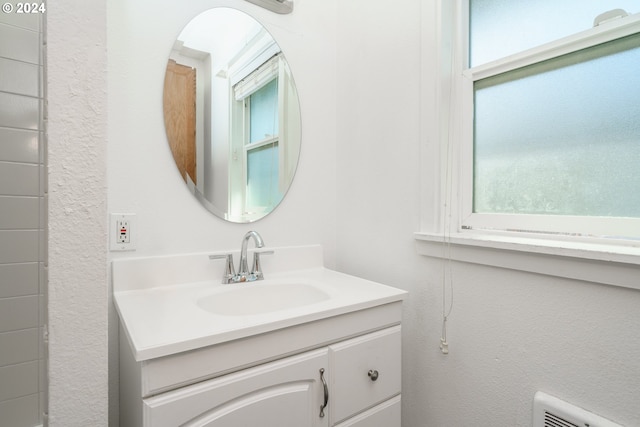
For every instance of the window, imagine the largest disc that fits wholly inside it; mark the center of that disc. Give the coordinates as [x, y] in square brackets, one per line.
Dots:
[550, 117]
[262, 164]
[261, 148]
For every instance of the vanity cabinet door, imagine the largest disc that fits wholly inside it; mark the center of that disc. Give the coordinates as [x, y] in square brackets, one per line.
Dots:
[284, 393]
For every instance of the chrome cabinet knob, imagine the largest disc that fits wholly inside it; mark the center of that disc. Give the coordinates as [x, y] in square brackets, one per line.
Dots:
[373, 374]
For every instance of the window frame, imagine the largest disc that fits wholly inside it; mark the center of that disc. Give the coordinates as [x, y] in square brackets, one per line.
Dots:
[248, 147]
[585, 259]
[609, 229]
[274, 68]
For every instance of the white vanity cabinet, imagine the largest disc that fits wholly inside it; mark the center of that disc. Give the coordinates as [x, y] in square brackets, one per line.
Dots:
[361, 376]
[266, 356]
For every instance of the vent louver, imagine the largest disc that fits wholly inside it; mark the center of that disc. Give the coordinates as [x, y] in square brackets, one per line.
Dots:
[551, 420]
[549, 411]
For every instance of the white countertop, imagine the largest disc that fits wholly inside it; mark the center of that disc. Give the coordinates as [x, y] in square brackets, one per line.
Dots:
[165, 320]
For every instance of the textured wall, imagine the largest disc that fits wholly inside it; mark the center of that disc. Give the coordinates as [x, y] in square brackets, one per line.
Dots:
[510, 333]
[77, 93]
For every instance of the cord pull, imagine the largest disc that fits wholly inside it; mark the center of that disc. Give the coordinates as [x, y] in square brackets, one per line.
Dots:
[444, 346]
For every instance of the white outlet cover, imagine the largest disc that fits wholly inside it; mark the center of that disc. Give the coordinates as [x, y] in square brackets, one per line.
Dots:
[114, 245]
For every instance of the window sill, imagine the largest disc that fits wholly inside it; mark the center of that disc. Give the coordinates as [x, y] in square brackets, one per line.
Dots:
[580, 260]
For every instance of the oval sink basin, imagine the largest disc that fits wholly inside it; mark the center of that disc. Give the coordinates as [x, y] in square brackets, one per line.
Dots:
[242, 300]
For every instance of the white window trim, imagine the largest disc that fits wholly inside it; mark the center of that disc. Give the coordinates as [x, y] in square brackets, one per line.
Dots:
[608, 261]
[588, 38]
[579, 260]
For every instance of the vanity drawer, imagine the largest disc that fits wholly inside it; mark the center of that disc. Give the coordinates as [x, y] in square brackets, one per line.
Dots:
[387, 414]
[353, 389]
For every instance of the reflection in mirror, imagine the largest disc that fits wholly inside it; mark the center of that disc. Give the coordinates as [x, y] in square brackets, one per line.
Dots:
[232, 115]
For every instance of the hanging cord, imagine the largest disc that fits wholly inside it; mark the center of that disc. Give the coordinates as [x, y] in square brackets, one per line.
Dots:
[447, 271]
[444, 344]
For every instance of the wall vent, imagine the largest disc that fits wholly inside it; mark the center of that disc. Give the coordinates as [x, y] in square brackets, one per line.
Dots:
[549, 411]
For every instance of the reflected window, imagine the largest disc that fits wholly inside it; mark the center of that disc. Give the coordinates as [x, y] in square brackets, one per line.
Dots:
[261, 103]
[261, 150]
[263, 113]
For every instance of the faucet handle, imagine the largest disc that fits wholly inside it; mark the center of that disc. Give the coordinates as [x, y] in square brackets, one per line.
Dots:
[256, 269]
[229, 270]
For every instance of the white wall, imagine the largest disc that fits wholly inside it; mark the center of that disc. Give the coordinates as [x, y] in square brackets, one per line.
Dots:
[142, 177]
[510, 333]
[360, 67]
[379, 121]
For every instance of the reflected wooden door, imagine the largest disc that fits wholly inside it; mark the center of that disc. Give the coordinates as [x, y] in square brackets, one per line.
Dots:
[180, 116]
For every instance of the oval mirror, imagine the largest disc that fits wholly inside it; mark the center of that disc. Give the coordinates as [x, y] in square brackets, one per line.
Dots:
[232, 115]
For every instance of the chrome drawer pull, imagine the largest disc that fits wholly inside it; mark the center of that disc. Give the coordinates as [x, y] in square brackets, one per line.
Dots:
[373, 375]
[326, 393]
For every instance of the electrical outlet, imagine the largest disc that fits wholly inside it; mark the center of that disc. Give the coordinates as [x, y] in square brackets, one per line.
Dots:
[122, 232]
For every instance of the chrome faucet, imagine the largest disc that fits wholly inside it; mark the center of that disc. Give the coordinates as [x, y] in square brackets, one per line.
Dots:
[243, 270]
[244, 274]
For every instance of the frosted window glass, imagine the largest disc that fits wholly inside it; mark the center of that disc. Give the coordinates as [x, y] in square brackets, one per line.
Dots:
[499, 28]
[264, 112]
[262, 176]
[561, 137]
